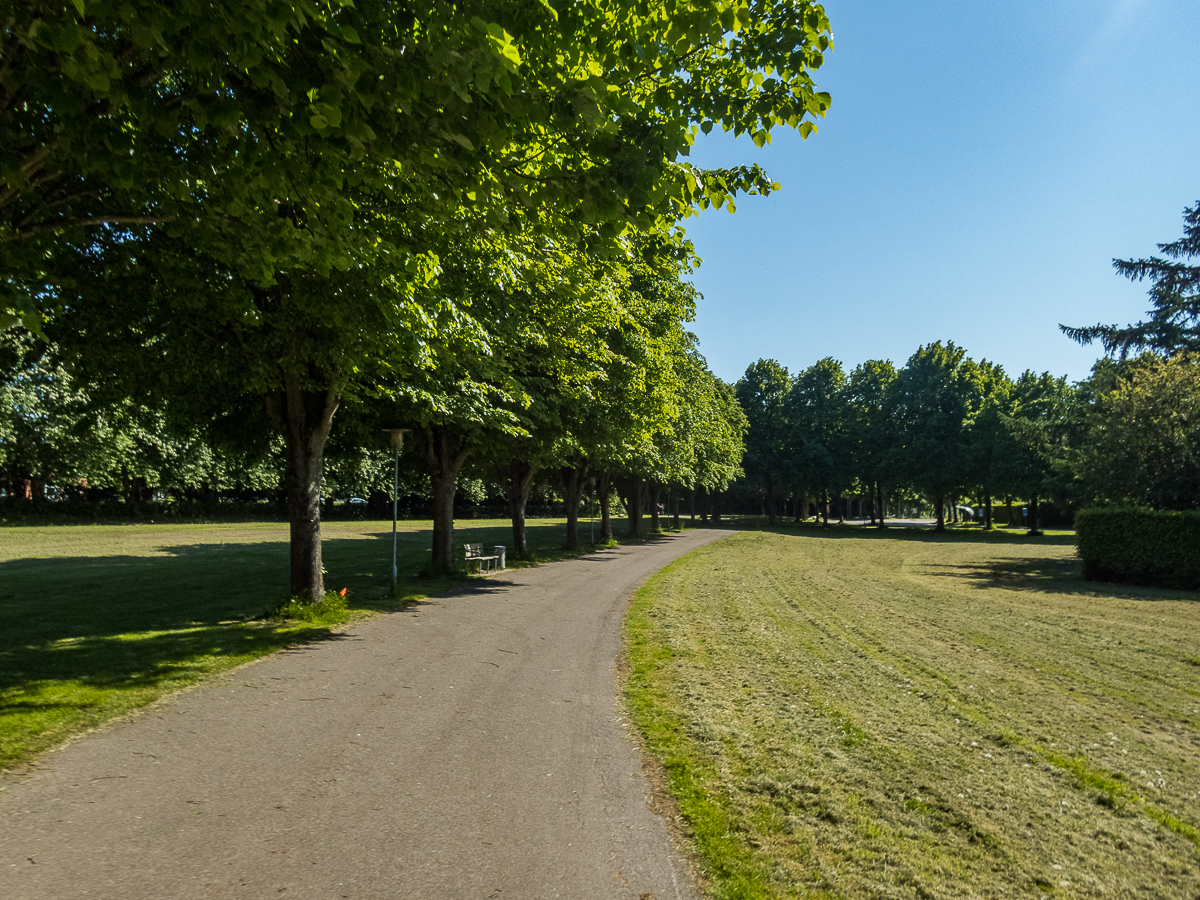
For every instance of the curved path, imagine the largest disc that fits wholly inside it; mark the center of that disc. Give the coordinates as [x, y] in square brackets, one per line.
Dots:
[468, 747]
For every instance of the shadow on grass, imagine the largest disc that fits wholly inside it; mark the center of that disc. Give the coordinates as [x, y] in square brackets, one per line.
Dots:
[1060, 576]
[1030, 573]
[152, 623]
[955, 534]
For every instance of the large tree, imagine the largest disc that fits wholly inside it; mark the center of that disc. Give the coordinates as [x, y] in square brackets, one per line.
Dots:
[1142, 438]
[820, 437]
[762, 392]
[870, 428]
[930, 402]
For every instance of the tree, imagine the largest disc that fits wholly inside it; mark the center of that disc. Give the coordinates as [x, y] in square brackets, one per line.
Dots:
[871, 432]
[762, 393]
[992, 453]
[817, 414]
[1174, 323]
[1040, 424]
[929, 399]
[1142, 443]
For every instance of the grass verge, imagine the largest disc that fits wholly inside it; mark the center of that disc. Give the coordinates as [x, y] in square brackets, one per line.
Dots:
[848, 714]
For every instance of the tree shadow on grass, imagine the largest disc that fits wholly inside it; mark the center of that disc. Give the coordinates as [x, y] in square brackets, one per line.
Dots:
[142, 621]
[1043, 575]
[1001, 536]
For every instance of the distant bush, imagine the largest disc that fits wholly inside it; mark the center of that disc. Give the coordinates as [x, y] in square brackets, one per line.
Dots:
[1140, 546]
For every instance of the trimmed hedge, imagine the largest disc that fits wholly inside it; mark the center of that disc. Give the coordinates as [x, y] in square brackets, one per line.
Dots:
[1140, 546]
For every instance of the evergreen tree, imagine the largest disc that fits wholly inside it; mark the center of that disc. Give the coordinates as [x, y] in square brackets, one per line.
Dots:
[1174, 322]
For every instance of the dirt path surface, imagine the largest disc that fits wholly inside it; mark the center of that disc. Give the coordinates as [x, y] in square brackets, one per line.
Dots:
[469, 747]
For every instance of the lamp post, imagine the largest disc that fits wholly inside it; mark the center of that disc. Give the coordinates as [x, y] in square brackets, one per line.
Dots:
[396, 436]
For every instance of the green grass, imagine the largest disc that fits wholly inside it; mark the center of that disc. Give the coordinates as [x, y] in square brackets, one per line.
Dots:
[849, 714]
[98, 620]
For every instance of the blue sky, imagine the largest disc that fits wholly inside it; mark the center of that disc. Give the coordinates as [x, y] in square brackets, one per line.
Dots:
[980, 167]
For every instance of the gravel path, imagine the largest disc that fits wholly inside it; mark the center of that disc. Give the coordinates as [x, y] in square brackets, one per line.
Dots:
[468, 747]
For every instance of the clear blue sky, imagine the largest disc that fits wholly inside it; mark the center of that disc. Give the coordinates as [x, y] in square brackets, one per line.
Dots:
[980, 167]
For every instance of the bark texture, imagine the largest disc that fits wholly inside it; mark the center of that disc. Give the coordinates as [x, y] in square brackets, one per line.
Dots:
[517, 483]
[633, 495]
[445, 454]
[304, 417]
[574, 478]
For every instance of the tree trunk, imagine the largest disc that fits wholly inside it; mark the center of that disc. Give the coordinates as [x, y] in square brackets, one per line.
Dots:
[1008, 507]
[882, 510]
[444, 456]
[574, 478]
[517, 484]
[304, 418]
[1033, 515]
[987, 512]
[692, 506]
[673, 503]
[939, 503]
[634, 498]
[825, 507]
[603, 488]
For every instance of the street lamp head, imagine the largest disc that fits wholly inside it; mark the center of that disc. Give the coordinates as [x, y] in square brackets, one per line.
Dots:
[396, 437]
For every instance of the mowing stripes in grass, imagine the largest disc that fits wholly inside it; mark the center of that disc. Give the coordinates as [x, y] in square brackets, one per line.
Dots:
[849, 714]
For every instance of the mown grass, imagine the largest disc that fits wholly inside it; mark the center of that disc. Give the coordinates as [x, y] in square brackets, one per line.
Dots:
[98, 620]
[847, 714]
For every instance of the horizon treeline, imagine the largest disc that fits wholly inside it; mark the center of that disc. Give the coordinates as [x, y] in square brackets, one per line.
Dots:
[947, 429]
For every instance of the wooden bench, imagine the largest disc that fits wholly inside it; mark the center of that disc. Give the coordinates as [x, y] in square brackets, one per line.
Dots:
[474, 555]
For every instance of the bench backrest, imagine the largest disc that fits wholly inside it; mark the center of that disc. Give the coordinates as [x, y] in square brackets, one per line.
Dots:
[472, 550]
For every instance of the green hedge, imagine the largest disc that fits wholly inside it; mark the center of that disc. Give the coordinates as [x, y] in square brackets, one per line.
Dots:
[1140, 546]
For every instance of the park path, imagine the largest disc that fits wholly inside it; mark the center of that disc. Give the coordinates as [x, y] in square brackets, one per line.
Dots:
[468, 747]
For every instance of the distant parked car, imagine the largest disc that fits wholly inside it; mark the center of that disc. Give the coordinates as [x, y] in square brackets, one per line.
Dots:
[357, 500]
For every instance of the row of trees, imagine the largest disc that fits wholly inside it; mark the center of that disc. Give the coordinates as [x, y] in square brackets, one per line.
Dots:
[462, 217]
[641, 414]
[944, 426]
[949, 428]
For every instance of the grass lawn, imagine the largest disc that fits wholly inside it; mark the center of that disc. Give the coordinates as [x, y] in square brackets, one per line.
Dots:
[850, 714]
[97, 620]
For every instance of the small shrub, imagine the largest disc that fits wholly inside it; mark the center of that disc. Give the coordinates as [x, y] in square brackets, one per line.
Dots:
[1140, 546]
